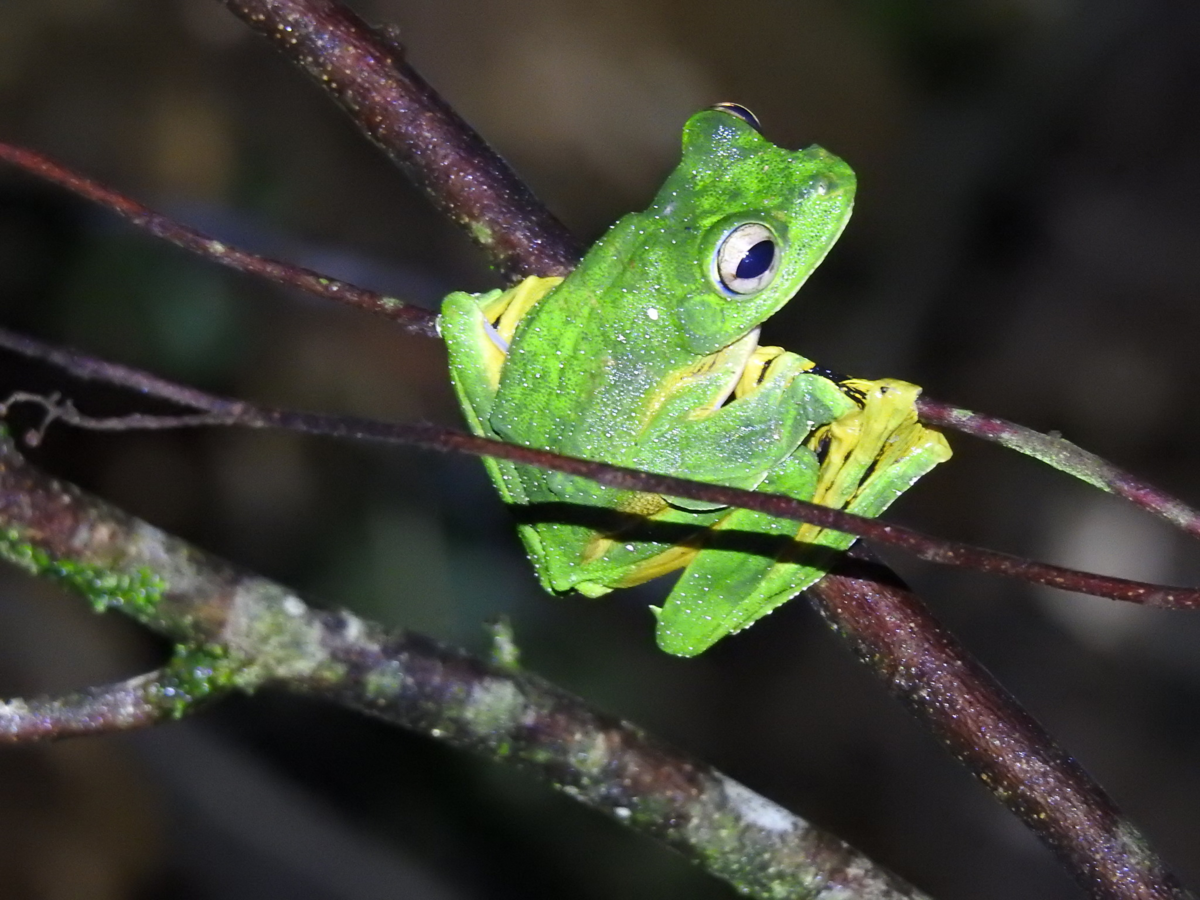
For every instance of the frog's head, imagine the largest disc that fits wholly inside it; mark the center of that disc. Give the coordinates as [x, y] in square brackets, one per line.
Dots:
[749, 220]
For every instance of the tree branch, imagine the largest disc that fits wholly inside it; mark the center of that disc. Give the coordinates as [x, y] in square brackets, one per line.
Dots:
[365, 73]
[222, 411]
[123, 706]
[1064, 456]
[255, 633]
[986, 729]
[414, 319]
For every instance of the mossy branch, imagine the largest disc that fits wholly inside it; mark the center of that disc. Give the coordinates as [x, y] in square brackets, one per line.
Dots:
[246, 632]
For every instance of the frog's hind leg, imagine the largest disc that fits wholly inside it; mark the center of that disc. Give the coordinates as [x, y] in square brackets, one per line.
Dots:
[716, 594]
[477, 354]
[478, 329]
[868, 458]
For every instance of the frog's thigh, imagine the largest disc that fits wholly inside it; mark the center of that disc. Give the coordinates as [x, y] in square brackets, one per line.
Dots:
[475, 363]
[476, 358]
[729, 585]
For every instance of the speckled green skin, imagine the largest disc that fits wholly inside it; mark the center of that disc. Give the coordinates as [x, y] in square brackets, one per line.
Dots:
[628, 361]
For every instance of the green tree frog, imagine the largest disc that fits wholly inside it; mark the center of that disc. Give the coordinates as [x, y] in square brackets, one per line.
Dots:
[647, 356]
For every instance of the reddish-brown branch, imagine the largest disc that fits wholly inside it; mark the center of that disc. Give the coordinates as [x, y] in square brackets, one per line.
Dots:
[1064, 456]
[988, 731]
[365, 73]
[224, 411]
[413, 318]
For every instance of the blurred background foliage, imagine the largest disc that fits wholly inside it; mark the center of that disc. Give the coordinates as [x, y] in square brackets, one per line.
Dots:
[1027, 243]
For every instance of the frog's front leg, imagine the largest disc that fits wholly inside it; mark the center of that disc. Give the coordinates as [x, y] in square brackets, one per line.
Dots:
[778, 401]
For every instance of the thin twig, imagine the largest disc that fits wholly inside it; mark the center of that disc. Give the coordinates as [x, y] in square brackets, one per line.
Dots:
[91, 368]
[412, 318]
[432, 437]
[123, 706]
[1064, 456]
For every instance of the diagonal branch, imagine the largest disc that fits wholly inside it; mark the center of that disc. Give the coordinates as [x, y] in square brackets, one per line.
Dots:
[415, 319]
[257, 633]
[365, 73]
[225, 411]
[986, 729]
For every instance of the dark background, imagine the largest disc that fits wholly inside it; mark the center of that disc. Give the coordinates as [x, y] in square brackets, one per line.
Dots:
[1026, 243]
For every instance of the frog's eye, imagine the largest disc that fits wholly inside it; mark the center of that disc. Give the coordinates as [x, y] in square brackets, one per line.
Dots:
[736, 109]
[747, 259]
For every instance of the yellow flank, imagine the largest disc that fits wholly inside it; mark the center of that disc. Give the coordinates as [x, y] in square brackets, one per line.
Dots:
[504, 312]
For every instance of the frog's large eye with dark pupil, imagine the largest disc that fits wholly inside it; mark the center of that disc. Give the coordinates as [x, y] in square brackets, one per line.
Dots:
[747, 259]
[736, 109]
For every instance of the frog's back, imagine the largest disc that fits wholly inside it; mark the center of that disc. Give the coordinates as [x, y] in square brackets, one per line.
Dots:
[578, 372]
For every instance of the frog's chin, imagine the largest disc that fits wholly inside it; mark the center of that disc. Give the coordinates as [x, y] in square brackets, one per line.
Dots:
[743, 347]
